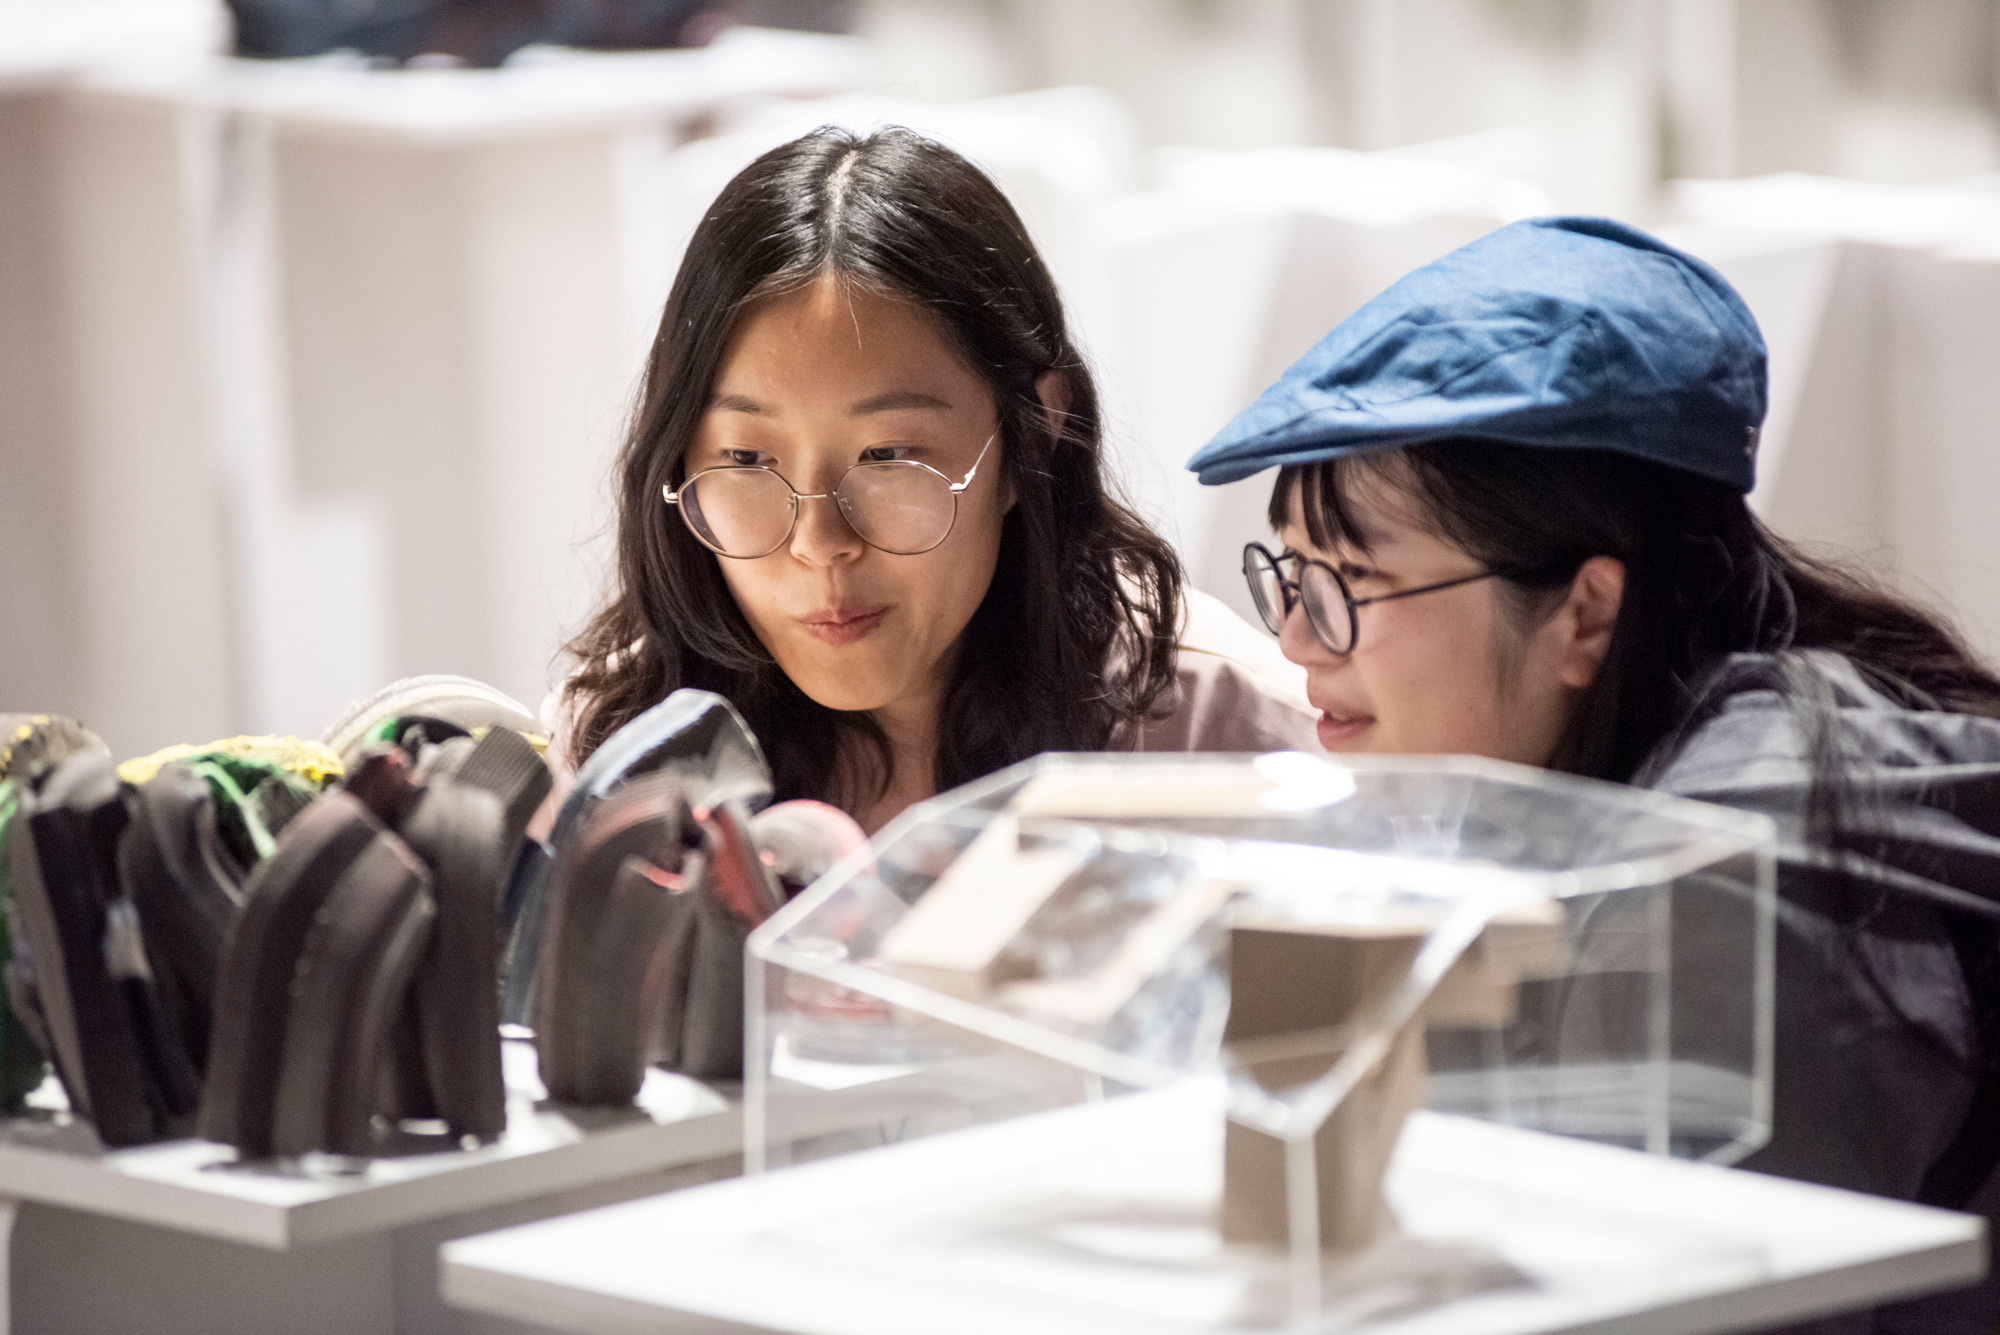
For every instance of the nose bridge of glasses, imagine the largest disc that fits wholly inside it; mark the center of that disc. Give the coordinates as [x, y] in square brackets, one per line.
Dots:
[825, 526]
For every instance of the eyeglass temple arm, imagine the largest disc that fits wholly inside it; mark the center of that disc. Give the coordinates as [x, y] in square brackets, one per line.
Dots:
[961, 486]
[673, 497]
[1428, 588]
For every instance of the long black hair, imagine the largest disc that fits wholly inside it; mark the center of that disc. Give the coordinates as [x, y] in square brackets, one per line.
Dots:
[1704, 579]
[1076, 631]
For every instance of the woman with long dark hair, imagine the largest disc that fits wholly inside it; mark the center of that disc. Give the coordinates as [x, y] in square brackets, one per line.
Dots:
[1512, 522]
[864, 500]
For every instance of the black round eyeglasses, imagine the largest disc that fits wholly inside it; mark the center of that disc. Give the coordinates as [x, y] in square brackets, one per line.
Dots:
[1332, 610]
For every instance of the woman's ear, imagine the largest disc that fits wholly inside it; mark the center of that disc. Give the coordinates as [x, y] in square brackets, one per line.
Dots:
[1589, 614]
[1052, 388]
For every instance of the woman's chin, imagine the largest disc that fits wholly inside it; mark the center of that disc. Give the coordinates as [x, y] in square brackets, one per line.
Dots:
[852, 687]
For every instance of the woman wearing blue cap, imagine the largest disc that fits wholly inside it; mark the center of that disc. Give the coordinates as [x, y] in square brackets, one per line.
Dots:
[1512, 523]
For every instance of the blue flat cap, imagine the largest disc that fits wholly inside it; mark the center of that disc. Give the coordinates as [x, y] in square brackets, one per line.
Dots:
[1570, 333]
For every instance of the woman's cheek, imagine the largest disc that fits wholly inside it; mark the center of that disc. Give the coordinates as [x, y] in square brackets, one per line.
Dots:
[1439, 690]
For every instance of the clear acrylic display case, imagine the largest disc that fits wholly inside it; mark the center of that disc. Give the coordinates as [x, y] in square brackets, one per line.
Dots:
[1332, 941]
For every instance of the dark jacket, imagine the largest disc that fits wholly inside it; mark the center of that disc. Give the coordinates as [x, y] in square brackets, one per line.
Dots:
[1888, 949]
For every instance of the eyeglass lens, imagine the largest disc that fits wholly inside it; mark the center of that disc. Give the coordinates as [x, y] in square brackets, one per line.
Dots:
[1319, 588]
[901, 507]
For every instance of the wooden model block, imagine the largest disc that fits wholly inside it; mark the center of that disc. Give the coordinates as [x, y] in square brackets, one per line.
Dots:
[1193, 790]
[1350, 1157]
[1299, 996]
[1483, 988]
[1318, 988]
[1146, 949]
[954, 937]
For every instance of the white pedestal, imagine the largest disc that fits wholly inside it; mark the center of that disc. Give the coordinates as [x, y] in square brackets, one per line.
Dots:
[179, 1237]
[1099, 1219]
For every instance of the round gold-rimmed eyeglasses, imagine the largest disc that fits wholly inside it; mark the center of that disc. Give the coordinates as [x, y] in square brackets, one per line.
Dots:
[898, 506]
[1332, 610]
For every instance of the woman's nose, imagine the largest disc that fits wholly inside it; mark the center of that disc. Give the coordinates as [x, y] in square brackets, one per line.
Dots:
[1298, 641]
[823, 536]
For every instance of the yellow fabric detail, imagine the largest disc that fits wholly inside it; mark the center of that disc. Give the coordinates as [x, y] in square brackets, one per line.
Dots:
[21, 734]
[308, 760]
[535, 739]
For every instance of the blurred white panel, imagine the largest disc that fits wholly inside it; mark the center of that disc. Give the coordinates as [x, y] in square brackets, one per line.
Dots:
[1833, 468]
[1234, 269]
[45, 43]
[382, 402]
[1226, 75]
[1944, 412]
[1059, 154]
[1753, 86]
[459, 353]
[1516, 153]
[553, 380]
[1587, 73]
[336, 624]
[37, 553]
[937, 48]
[1893, 452]
[1890, 91]
[1194, 282]
[108, 492]
[153, 633]
[1799, 204]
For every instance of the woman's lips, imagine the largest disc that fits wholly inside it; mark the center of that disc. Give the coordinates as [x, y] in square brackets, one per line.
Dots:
[1336, 729]
[842, 625]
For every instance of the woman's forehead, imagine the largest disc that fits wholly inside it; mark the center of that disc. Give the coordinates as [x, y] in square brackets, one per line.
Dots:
[834, 346]
[1377, 511]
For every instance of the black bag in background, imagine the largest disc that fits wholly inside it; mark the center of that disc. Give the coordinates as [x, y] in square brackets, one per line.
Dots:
[478, 32]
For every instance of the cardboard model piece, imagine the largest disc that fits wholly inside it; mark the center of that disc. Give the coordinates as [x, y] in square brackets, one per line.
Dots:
[1299, 997]
[956, 937]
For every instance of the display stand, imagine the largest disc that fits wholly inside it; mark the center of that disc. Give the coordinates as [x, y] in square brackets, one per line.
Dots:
[178, 1236]
[1097, 1220]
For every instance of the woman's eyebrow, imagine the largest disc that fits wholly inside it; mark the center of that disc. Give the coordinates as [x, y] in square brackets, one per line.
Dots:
[896, 400]
[735, 403]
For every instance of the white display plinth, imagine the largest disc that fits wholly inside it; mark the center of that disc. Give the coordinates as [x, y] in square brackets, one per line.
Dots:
[1098, 1220]
[380, 1226]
